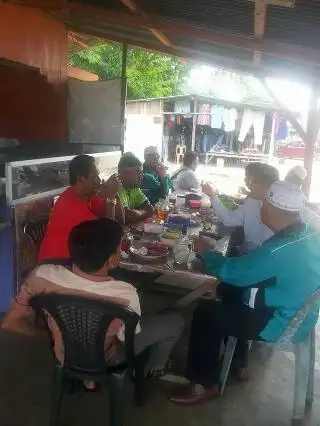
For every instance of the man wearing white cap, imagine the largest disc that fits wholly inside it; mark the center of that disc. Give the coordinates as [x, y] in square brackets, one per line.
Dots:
[296, 175]
[156, 183]
[284, 270]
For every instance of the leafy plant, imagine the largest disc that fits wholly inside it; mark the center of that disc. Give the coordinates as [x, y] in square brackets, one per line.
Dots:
[149, 74]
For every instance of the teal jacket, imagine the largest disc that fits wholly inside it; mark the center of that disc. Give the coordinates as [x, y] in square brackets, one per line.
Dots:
[285, 270]
[155, 187]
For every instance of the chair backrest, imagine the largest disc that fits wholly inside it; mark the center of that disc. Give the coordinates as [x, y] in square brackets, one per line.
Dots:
[34, 231]
[83, 323]
[286, 338]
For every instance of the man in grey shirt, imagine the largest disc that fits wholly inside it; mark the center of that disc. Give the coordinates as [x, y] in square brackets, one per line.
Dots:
[185, 178]
[259, 177]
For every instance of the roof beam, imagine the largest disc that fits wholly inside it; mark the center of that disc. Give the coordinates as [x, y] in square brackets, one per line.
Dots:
[260, 16]
[285, 111]
[135, 8]
[283, 3]
[73, 37]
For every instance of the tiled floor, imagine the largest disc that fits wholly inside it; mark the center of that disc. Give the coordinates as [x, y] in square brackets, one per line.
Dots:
[25, 378]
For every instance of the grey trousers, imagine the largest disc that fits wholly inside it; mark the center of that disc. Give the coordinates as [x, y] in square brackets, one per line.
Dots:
[161, 332]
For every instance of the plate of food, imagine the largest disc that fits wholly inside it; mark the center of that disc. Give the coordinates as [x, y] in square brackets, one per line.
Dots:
[150, 252]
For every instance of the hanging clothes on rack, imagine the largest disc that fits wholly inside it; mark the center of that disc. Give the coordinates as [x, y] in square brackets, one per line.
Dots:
[217, 113]
[280, 128]
[182, 107]
[229, 119]
[255, 118]
[171, 121]
[204, 115]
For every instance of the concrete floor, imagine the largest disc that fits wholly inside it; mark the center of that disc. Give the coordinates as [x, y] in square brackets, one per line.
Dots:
[266, 400]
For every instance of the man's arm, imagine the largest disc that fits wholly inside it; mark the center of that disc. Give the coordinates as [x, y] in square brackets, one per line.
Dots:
[243, 271]
[109, 195]
[18, 323]
[228, 217]
[142, 212]
[19, 318]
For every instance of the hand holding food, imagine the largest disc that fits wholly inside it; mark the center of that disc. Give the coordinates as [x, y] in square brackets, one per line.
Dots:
[109, 189]
[208, 190]
[161, 170]
[201, 244]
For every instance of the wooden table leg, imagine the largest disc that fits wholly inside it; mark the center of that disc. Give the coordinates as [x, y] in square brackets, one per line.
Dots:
[196, 294]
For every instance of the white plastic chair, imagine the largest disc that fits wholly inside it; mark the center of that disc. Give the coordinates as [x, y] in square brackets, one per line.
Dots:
[304, 353]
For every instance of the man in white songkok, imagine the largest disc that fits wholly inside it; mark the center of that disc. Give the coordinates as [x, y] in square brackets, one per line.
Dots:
[284, 272]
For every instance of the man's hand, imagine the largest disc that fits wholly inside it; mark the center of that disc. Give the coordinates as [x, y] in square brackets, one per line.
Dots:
[161, 170]
[201, 244]
[109, 189]
[208, 190]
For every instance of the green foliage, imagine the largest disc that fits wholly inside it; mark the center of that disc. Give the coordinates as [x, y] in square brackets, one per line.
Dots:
[149, 74]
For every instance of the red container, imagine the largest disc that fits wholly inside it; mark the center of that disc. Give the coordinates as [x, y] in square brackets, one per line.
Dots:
[195, 204]
[125, 244]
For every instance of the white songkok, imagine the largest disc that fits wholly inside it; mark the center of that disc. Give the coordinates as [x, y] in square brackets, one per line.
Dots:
[288, 197]
[150, 150]
[298, 171]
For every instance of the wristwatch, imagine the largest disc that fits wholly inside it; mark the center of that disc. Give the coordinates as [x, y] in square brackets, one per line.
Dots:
[111, 201]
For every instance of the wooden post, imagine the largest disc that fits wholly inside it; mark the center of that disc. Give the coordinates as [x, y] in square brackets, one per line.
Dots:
[312, 131]
[272, 140]
[194, 125]
[123, 91]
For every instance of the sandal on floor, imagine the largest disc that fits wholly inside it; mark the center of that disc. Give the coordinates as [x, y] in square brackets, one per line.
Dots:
[155, 374]
[94, 389]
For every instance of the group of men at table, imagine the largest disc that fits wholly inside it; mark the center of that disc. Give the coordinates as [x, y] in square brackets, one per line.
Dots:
[274, 272]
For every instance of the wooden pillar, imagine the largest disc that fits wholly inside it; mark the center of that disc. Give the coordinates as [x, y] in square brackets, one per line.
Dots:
[194, 125]
[272, 140]
[312, 131]
[123, 91]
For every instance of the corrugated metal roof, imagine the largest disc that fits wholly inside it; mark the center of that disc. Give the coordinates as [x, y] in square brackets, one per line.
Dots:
[296, 26]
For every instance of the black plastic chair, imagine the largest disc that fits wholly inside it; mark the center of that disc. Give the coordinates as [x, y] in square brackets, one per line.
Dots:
[83, 323]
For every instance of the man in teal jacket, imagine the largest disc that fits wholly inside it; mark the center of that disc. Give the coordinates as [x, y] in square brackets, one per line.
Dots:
[279, 276]
[156, 183]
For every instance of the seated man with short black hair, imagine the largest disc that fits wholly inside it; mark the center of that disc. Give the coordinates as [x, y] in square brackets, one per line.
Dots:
[136, 205]
[95, 251]
[85, 199]
[185, 178]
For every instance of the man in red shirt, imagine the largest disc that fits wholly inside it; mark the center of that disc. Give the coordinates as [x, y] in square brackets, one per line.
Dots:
[78, 204]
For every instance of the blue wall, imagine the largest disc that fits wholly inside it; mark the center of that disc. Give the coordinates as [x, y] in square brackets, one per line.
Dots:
[6, 262]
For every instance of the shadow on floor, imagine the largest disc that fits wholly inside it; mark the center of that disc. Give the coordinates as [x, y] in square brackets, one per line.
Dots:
[25, 379]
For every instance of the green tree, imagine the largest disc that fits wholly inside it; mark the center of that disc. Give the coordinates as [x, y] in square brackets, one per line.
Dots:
[149, 74]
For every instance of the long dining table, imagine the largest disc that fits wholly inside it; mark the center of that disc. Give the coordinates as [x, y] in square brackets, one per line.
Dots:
[187, 280]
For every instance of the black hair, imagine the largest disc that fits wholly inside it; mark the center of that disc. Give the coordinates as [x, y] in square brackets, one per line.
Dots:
[93, 242]
[264, 173]
[80, 166]
[189, 158]
[129, 160]
[251, 167]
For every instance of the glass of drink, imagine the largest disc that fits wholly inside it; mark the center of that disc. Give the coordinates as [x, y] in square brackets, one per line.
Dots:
[162, 210]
